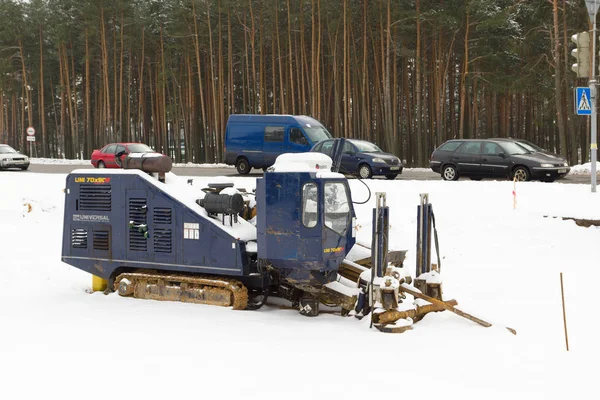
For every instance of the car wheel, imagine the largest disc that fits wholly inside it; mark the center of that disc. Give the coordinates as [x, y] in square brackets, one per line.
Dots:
[364, 171]
[521, 174]
[391, 177]
[449, 173]
[24, 168]
[243, 166]
[101, 164]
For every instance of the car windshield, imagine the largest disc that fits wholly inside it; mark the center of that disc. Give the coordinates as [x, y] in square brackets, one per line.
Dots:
[316, 133]
[139, 148]
[7, 150]
[366, 147]
[514, 148]
[530, 146]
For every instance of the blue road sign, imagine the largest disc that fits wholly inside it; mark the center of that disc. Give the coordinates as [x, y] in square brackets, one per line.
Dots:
[583, 101]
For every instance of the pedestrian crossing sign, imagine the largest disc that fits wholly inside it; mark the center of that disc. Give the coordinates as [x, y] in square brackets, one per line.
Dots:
[583, 101]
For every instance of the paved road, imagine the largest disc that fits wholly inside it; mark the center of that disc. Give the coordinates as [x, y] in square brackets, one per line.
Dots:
[408, 174]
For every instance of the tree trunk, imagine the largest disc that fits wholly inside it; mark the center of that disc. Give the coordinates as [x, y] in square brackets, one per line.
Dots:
[292, 101]
[201, 89]
[418, 99]
[282, 105]
[27, 92]
[42, 107]
[463, 80]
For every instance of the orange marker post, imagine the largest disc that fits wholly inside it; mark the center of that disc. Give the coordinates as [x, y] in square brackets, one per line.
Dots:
[514, 193]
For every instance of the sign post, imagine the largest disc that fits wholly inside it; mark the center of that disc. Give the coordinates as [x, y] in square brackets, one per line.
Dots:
[31, 139]
[592, 7]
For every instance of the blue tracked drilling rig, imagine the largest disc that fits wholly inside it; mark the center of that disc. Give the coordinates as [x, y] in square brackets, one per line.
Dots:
[151, 237]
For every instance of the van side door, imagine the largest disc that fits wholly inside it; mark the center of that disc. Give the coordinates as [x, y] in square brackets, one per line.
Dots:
[297, 141]
[274, 144]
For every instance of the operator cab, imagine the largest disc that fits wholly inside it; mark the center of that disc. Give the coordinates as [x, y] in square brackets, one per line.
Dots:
[306, 230]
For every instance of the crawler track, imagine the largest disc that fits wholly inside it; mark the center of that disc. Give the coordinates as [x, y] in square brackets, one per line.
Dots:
[190, 289]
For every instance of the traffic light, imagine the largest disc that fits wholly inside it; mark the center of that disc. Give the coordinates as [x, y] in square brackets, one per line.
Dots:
[582, 54]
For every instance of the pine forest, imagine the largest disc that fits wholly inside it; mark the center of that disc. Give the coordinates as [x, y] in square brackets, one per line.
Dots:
[404, 74]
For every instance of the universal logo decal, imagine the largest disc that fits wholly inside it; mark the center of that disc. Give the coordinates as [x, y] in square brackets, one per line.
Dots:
[90, 218]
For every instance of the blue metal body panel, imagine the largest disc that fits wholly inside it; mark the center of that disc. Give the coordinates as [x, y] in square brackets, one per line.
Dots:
[123, 220]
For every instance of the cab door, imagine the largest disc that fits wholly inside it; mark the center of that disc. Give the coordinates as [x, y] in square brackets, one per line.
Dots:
[337, 221]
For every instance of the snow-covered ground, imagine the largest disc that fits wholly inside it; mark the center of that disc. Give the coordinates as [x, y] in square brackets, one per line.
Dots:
[502, 264]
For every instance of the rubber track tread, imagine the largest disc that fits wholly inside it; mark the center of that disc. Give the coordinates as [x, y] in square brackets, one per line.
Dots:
[236, 288]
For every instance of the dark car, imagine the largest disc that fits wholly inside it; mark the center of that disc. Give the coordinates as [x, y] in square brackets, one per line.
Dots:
[105, 157]
[494, 158]
[363, 158]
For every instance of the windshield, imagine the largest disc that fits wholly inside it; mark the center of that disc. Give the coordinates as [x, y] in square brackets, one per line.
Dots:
[337, 210]
[366, 147]
[316, 133]
[139, 148]
[513, 148]
[530, 146]
[7, 150]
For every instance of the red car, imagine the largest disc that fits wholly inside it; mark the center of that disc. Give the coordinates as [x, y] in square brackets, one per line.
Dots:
[105, 157]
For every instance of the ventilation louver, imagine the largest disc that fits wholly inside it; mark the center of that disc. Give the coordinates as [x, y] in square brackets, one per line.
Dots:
[101, 240]
[95, 197]
[138, 224]
[162, 240]
[79, 238]
[163, 237]
[162, 215]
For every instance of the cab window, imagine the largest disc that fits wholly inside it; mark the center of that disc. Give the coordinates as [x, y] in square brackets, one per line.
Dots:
[491, 149]
[274, 133]
[310, 209]
[450, 146]
[326, 147]
[296, 136]
[470, 148]
[110, 149]
[318, 146]
[349, 148]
